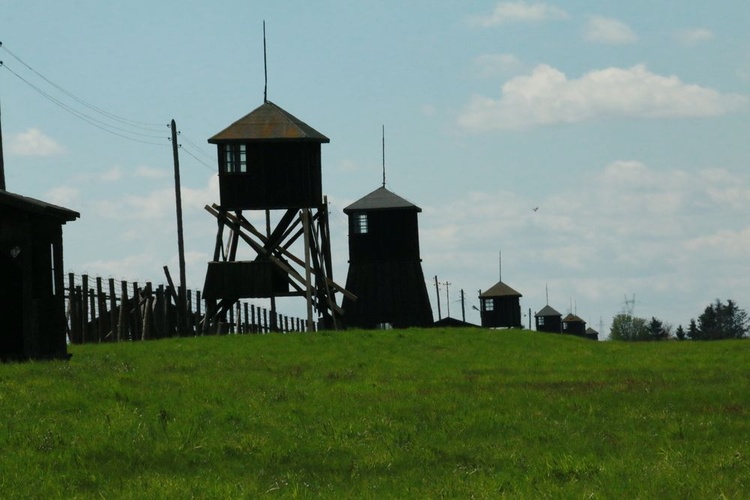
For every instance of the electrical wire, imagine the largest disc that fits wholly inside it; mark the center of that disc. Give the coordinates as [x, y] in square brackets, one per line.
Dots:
[131, 123]
[83, 116]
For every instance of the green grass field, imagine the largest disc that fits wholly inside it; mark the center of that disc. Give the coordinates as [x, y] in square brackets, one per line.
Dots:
[382, 414]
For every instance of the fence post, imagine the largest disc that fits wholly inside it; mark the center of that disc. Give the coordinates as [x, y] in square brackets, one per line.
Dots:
[101, 308]
[198, 312]
[112, 312]
[138, 323]
[122, 324]
[85, 303]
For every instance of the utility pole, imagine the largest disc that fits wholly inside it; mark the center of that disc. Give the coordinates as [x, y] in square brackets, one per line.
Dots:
[437, 292]
[2, 162]
[463, 306]
[181, 291]
[448, 296]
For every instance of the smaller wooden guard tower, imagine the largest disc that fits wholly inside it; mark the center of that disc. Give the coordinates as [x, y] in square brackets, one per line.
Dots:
[32, 288]
[385, 268]
[548, 320]
[573, 325]
[500, 307]
[270, 160]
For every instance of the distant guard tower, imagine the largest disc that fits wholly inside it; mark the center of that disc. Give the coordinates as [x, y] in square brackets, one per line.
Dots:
[385, 268]
[270, 161]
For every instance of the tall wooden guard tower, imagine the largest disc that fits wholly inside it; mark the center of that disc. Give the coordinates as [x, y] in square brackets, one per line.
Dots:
[270, 161]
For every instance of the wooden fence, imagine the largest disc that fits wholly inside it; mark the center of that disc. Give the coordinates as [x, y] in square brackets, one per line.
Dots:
[106, 310]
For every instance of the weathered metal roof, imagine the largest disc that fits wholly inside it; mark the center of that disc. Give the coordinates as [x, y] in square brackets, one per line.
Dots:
[268, 122]
[547, 311]
[500, 290]
[380, 199]
[35, 206]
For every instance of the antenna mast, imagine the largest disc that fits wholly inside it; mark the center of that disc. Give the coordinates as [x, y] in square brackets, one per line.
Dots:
[383, 155]
[265, 66]
[500, 264]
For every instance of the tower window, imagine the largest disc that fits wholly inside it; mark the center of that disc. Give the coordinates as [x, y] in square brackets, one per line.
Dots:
[360, 224]
[488, 304]
[540, 320]
[235, 158]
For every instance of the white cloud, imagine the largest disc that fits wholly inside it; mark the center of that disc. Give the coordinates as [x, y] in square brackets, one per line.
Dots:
[626, 228]
[111, 175]
[64, 196]
[607, 30]
[150, 172]
[33, 142]
[547, 96]
[494, 65]
[694, 36]
[513, 12]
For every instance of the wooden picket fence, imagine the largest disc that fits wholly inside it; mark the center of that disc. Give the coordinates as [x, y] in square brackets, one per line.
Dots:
[95, 313]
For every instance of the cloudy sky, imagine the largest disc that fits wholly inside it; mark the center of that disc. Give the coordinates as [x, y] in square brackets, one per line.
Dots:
[602, 147]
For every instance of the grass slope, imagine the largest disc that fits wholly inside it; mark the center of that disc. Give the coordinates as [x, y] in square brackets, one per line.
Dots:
[400, 414]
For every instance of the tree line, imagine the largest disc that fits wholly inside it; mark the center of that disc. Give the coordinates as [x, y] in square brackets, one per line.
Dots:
[718, 321]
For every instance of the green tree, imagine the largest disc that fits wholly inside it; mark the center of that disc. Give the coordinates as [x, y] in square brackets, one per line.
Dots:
[628, 327]
[693, 330]
[721, 321]
[680, 333]
[658, 330]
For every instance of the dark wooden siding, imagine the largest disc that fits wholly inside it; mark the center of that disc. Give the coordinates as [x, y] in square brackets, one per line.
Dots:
[552, 324]
[244, 279]
[392, 292]
[391, 235]
[506, 313]
[279, 175]
[31, 287]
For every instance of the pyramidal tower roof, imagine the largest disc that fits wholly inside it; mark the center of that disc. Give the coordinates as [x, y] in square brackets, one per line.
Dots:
[500, 289]
[268, 123]
[381, 199]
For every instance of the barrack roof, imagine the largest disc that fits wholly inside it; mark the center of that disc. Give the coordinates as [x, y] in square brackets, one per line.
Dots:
[33, 205]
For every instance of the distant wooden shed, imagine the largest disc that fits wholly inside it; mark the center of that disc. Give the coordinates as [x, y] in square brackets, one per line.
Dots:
[591, 334]
[548, 320]
[573, 325]
[500, 307]
[32, 293]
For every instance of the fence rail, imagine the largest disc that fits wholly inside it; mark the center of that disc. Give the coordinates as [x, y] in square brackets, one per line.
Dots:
[107, 310]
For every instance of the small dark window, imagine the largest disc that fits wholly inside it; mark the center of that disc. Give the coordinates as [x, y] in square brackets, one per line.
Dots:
[235, 158]
[489, 304]
[359, 224]
[540, 321]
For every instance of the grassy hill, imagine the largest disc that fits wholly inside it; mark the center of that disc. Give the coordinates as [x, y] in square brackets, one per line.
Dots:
[400, 414]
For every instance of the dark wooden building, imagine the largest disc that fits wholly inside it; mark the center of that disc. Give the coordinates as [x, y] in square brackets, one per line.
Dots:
[500, 307]
[548, 320]
[270, 160]
[32, 293]
[385, 268]
[591, 334]
[573, 325]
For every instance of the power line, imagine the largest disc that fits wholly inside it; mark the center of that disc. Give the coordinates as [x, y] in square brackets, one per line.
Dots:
[131, 123]
[88, 119]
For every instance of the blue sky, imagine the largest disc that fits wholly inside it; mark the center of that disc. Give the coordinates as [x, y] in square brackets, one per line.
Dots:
[625, 123]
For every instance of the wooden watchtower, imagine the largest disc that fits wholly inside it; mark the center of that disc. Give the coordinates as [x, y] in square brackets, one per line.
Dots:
[269, 161]
[548, 320]
[385, 268]
[500, 307]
